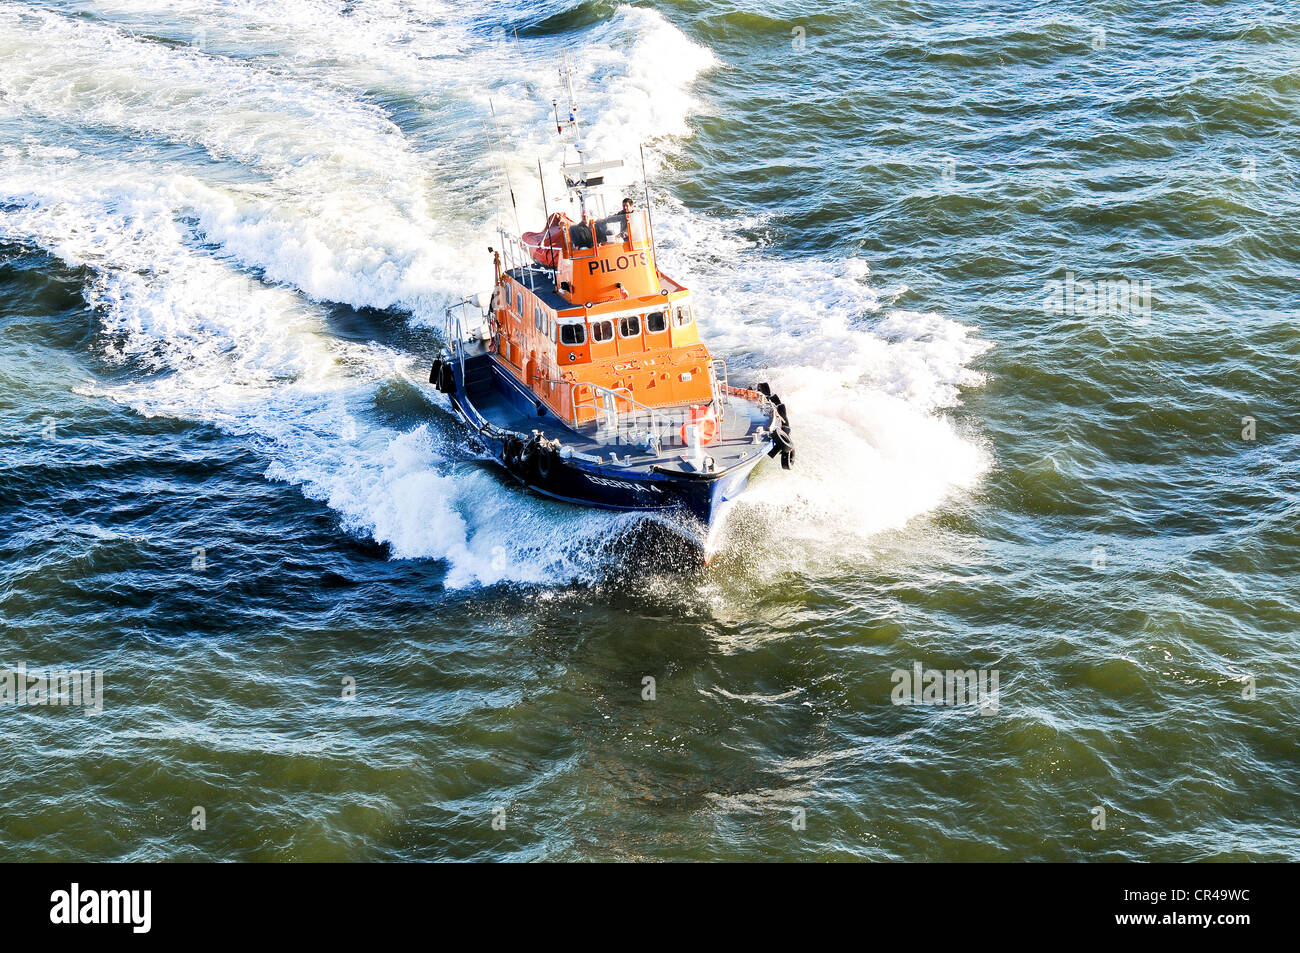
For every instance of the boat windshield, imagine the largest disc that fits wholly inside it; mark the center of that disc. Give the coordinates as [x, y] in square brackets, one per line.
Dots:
[623, 226]
[612, 230]
[580, 235]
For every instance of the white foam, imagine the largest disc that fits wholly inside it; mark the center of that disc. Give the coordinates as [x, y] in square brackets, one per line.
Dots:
[862, 381]
[267, 180]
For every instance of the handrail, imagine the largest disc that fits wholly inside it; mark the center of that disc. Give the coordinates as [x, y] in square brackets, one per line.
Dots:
[721, 386]
[621, 393]
[517, 257]
[659, 424]
[458, 333]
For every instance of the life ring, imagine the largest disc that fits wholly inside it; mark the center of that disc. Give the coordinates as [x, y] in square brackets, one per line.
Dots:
[705, 422]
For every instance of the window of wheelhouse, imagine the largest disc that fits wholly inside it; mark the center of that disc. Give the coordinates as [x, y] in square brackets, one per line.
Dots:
[602, 331]
[629, 326]
[683, 318]
[573, 335]
[612, 230]
[656, 322]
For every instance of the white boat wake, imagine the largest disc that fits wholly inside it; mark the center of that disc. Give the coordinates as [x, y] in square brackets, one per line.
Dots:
[286, 157]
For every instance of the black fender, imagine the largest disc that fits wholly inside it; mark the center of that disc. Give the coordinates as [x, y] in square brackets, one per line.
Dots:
[545, 461]
[519, 455]
[442, 376]
[511, 449]
[782, 444]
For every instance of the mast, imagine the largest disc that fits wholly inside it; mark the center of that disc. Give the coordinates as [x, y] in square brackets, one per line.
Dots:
[566, 79]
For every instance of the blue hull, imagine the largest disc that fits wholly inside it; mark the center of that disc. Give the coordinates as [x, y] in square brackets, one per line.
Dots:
[701, 497]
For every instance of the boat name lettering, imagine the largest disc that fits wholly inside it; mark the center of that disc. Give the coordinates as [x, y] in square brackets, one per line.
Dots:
[621, 485]
[620, 263]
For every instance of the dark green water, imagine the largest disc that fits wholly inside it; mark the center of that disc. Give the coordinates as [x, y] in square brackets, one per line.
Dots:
[226, 238]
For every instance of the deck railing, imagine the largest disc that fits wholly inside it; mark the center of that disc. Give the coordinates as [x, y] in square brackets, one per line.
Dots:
[719, 380]
[517, 254]
[621, 418]
[464, 325]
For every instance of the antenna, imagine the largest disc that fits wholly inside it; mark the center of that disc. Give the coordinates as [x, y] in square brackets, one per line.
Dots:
[487, 134]
[501, 158]
[648, 216]
[520, 50]
[541, 179]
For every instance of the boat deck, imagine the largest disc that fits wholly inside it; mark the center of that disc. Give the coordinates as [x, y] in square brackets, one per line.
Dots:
[489, 389]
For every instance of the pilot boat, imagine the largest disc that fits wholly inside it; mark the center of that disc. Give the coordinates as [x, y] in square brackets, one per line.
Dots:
[584, 376]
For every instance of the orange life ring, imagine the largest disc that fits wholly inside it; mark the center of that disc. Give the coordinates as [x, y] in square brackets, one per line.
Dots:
[705, 422]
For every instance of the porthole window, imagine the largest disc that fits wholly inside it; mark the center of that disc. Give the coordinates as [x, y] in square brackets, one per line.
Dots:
[573, 335]
[629, 327]
[602, 331]
[655, 322]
